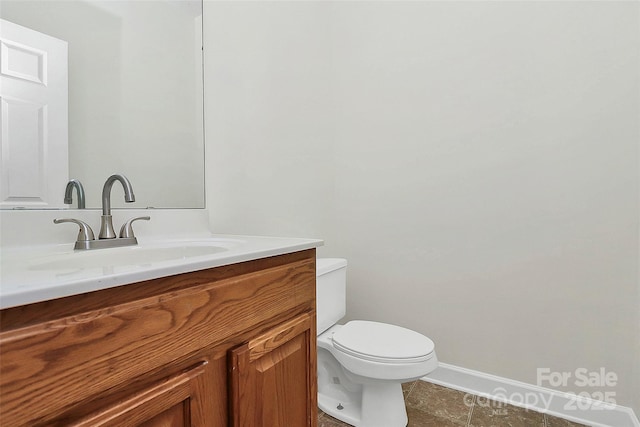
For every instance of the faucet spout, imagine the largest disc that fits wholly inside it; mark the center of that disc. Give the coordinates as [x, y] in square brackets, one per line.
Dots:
[106, 228]
[106, 192]
[68, 193]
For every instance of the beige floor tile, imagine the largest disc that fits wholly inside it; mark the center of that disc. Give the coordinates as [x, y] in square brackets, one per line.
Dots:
[418, 418]
[488, 413]
[559, 422]
[440, 402]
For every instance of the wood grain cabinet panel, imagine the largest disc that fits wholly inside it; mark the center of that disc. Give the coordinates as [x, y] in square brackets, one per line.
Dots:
[175, 401]
[271, 377]
[157, 353]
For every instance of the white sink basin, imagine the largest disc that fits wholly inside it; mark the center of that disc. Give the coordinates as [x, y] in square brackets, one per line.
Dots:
[31, 274]
[125, 256]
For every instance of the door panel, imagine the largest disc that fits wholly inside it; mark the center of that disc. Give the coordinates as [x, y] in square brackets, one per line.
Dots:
[34, 158]
[273, 380]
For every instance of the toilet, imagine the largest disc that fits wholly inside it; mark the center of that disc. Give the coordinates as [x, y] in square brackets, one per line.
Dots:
[362, 364]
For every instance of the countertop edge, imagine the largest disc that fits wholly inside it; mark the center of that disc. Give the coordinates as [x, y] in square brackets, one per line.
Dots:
[45, 293]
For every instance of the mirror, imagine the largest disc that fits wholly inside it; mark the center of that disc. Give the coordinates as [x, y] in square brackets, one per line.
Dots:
[135, 96]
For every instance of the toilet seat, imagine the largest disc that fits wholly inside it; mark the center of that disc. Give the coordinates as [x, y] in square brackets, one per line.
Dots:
[382, 343]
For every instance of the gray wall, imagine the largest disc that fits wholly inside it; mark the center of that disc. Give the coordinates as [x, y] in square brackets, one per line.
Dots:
[476, 162]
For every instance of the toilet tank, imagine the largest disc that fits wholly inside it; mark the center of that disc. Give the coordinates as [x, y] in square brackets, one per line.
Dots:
[331, 292]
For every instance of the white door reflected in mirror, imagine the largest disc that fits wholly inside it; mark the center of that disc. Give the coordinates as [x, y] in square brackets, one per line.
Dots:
[34, 157]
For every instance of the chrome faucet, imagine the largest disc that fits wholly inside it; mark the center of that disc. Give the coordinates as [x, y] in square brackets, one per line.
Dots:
[107, 237]
[106, 221]
[68, 193]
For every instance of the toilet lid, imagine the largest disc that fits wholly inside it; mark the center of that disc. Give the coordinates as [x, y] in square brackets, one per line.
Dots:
[381, 342]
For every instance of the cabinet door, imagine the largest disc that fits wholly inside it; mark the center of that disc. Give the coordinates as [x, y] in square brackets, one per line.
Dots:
[177, 401]
[273, 377]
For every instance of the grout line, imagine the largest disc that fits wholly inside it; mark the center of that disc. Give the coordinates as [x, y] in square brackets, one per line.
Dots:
[473, 405]
[413, 385]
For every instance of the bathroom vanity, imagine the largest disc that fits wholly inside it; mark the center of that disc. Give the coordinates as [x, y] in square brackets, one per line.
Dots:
[229, 345]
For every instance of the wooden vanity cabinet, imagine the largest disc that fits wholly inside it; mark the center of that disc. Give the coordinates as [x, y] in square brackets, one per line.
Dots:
[228, 346]
[271, 380]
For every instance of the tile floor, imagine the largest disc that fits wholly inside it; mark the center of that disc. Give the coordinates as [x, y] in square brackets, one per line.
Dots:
[430, 405]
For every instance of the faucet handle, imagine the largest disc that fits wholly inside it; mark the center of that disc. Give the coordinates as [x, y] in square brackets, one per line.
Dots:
[85, 233]
[126, 231]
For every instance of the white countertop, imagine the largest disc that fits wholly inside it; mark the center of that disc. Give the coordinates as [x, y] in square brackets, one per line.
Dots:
[39, 273]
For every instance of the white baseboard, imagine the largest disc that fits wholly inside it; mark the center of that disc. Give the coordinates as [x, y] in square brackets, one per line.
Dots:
[564, 405]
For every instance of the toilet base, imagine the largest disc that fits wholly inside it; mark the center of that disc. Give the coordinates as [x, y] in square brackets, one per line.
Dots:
[378, 405]
[360, 403]
[346, 409]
